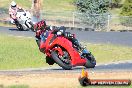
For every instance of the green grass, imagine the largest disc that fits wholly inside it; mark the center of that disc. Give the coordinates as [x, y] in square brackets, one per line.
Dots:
[6, 25]
[52, 5]
[48, 5]
[24, 3]
[15, 86]
[18, 86]
[116, 11]
[4, 4]
[106, 53]
[58, 5]
[20, 52]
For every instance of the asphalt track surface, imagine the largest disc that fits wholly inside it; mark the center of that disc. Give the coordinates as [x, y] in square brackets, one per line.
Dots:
[119, 38]
[111, 67]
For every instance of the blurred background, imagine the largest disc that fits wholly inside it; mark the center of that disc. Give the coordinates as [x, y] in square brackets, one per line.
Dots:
[114, 15]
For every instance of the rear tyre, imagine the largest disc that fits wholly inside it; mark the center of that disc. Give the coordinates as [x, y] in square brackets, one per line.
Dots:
[91, 62]
[61, 63]
[19, 26]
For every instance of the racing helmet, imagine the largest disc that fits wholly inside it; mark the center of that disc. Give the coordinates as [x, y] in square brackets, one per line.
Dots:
[40, 25]
[13, 4]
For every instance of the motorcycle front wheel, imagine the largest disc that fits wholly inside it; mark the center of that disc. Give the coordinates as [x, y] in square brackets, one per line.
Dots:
[63, 61]
[91, 62]
[32, 27]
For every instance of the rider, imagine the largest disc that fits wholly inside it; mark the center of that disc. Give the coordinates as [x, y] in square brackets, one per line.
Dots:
[42, 32]
[13, 10]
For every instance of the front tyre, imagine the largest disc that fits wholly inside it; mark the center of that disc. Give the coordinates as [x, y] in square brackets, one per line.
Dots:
[49, 60]
[91, 62]
[32, 27]
[65, 63]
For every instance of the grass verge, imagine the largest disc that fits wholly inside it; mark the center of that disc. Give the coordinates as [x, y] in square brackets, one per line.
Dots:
[6, 25]
[58, 5]
[15, 86]
[48, 5]
[20, 52]
[18, 86]
[106, 53]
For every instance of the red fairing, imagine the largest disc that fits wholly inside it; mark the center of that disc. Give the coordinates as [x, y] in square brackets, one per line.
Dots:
[75, 57]
[76, 60]
[59, 50]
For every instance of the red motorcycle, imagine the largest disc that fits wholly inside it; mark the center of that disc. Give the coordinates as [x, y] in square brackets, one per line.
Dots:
[60, 49]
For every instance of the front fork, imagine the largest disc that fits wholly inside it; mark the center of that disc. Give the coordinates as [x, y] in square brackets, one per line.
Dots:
[38, 41]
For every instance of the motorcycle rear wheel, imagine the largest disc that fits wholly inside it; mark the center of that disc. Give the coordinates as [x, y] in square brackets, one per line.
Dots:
[56, 58]
[19, 26]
